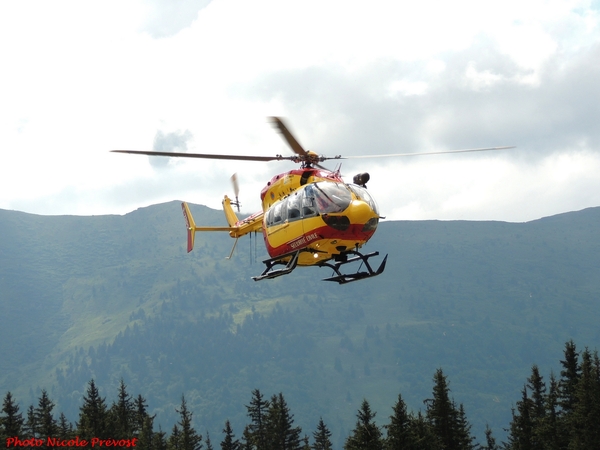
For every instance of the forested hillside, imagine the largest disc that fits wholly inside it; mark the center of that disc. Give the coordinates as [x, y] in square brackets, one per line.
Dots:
[117, 297]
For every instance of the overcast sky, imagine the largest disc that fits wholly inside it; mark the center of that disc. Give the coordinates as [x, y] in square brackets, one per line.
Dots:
[352, 78]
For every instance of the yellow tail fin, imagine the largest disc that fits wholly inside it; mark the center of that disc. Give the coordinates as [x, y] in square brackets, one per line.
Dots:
[191, 226]
[230, 215]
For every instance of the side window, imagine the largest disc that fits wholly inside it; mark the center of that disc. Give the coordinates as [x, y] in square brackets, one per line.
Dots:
[293, 207]
[269, 218]
[277, 218]
[308, 202]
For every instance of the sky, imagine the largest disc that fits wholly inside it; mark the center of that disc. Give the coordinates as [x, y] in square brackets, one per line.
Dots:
[351, 78]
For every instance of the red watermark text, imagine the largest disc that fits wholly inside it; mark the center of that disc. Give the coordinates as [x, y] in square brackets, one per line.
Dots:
[75, 442]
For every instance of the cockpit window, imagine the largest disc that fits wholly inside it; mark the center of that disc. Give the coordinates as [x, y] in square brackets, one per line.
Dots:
[313, 199]
[329, 197]
[363, 195]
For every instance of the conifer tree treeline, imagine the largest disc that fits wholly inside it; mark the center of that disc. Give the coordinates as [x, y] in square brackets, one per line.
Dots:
[561, 413]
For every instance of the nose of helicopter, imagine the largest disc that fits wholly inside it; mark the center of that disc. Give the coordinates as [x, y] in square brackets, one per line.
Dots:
[360, 212]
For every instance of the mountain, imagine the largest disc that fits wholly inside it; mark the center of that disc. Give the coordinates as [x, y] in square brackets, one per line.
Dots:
[111, 297]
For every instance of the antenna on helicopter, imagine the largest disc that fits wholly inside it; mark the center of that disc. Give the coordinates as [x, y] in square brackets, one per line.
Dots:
[236, 191]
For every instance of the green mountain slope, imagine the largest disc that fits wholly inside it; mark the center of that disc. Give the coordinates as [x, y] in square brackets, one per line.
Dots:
[118, 296]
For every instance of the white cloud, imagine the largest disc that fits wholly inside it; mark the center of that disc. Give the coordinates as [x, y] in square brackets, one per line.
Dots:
[84, 78]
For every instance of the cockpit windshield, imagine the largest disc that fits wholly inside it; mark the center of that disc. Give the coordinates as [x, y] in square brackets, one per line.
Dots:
[316, 198]
[329, 197]
[363, 195]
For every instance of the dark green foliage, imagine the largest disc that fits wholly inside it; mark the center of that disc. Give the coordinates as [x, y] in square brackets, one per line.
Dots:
[64, 428]
[30, 427]
[448, 422]
[208, 442]
[569, 378]
[279, 426]
[567, 414]
[11, 420]
[272, 424]
[423, 436]
[45, 423]
[247, 439]
[256, 433]
[145, 435]
[322, 437]
[159, 440]
[184, 435]
[366, 434]
[229, 442]
[585, 420]
[538, 420]
[123, 417]
[400, 433]
[490, 441]
[93, 415]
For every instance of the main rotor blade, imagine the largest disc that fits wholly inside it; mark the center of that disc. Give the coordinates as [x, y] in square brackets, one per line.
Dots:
[289, 137]
[424, 153]
[207, 156]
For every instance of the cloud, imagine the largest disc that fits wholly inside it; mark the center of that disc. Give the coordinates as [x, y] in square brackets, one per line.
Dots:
[352, 78]
[174, 142]
[167, 18]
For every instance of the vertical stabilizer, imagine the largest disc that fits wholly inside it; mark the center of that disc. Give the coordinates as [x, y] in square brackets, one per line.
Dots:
[230, 215]
[191, 226]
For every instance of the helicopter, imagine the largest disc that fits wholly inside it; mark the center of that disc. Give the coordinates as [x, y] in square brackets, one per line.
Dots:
[310, 216]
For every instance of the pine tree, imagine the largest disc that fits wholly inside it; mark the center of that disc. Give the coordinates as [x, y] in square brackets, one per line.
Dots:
[366, 434]
[11, 420]
[247, 439]
[65, 428]
[399, 435]
[174, 442]
[140, 415]
[257, 409]
[305, 443]
[585, 423]
[550, 428]
[229, 442]
[146, 434]
[123, 414]
[279, 426]
[93, 415]
[521, 427]
[452, 430]
[322, 437]
[159, 440]
[569, 378]
[208, 442]
[465, 438]
[45, 423]
[490, 441]
[423, 437]
[187, 437]
[30, 427]
[537, 387]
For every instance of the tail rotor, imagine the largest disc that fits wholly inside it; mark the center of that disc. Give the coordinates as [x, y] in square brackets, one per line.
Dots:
[236, 191]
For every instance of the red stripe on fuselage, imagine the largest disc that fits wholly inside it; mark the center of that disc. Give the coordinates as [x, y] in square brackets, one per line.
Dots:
[310, 238]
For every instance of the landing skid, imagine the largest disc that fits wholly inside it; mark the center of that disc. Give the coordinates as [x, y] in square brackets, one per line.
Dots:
[343, 259]
[269, 272]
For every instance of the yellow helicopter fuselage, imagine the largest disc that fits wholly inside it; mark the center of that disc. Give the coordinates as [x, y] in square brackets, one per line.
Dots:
[314, 212]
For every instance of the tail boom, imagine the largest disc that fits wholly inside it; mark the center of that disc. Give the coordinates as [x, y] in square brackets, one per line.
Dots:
[236, 227]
